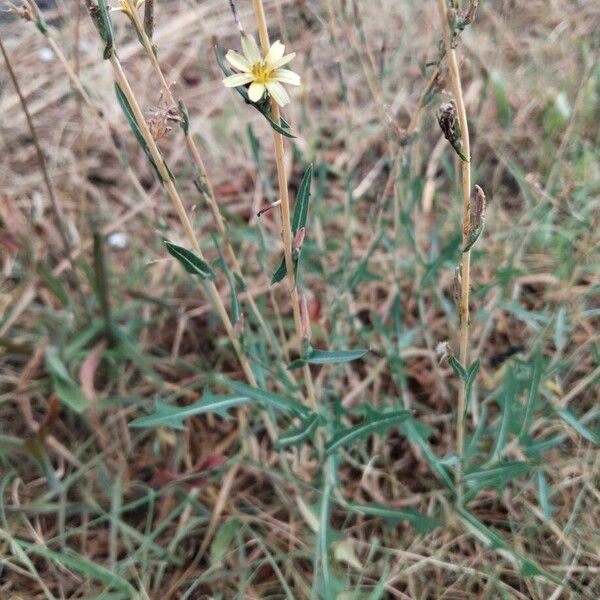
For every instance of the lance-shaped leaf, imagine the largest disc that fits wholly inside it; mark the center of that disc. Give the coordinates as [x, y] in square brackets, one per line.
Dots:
[417, 434]
[221, 263]
[167, 415]
[544, 496]
[422, 523]
[280, 272]
[190, 261]
[299, 219]
[374, 422]
[63, 385]
[184, 117]
[570, 419]
[89, 569]
[262, 106]
[302, 200]
[297, 435]
[474, 235]
[467, 375]
[315, 356]
[496, 476]
[495, 541]
[266, 398]
[103, 24]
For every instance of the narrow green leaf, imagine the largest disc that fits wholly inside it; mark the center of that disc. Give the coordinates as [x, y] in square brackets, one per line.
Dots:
[76, 562]
[421, 522]
[65, 388]
[299, 219]
[536, 376]
[508, 397]
[190, 261]
[266, 398]
[297, 364]
[222, 541]
[416, 434]
[300, 215]
[236, 310]
[40, 23]
[374, 422]
[105, 29]
[295, 436]
[495, 541]
[166, 415]
[496, 476]
[326, 357]
[184, 117]
[457, 367]
[474, 235]
[570, 419]
[544, 496]
[471, 374]
[280, 272]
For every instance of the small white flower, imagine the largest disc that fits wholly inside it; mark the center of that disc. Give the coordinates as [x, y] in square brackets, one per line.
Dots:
[263, 74]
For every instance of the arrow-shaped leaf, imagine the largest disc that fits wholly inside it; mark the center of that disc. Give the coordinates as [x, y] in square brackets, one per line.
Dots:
[422, 523]
[496, 476]
[374, 422]
[276, 401]
[166, 415]
[297, 435]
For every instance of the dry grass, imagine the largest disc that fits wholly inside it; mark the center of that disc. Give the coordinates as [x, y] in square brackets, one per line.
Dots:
[85, 496]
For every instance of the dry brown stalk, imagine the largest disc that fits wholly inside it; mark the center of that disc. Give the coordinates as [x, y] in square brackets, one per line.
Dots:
[466, 226]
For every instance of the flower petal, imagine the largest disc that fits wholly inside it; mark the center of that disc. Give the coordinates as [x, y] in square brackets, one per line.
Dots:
[237, 79]
[278, 93]
[236, 60]
[286, 76]
[256, 91]
[250, 49]
[275, 52]
[283, 60]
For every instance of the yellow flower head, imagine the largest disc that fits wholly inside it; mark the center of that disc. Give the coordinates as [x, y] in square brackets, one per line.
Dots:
[263, 74]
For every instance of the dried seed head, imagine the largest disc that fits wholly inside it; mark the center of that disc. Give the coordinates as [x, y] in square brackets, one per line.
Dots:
[447, 119]
[443, 350]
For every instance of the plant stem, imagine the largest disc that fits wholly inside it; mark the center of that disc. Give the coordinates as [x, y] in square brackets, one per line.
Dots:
[466, 223]
[210, 288]
[286, 228]
[205, 181]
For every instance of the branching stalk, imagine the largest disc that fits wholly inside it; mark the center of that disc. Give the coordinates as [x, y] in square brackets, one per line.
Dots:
[210, 288]
[207, 187]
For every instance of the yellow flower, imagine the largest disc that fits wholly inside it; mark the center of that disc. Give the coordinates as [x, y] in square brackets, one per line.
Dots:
[263, 74]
